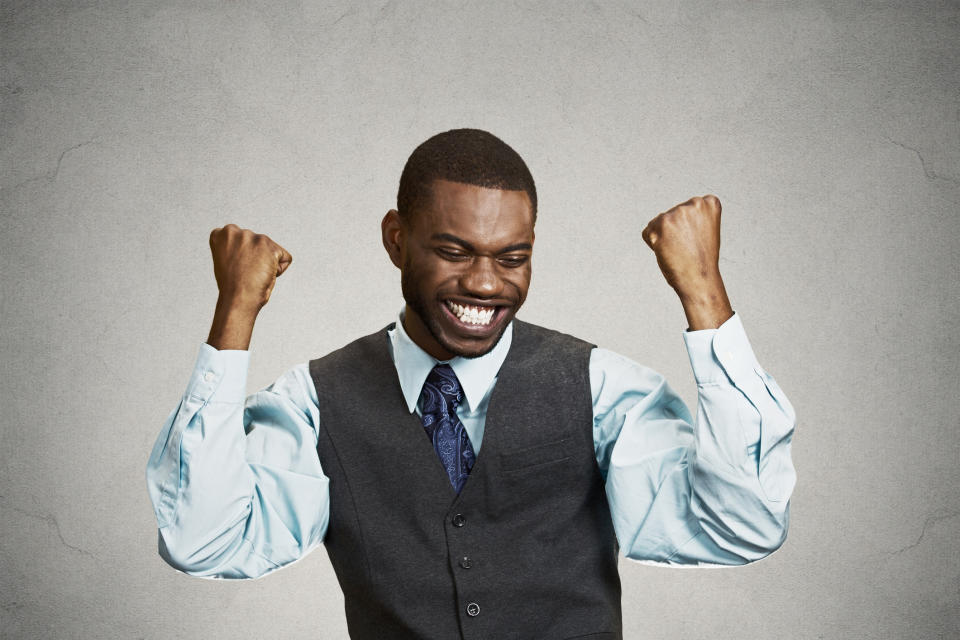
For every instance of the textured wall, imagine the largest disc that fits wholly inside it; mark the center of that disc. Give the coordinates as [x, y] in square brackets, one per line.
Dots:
[830, 131]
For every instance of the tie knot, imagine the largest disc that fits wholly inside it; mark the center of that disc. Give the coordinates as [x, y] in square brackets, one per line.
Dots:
[441, 391]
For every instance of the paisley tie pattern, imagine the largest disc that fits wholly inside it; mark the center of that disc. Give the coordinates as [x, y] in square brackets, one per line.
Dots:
[439, 399]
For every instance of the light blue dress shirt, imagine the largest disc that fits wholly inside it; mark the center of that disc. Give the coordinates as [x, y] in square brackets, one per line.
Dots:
[238, 490]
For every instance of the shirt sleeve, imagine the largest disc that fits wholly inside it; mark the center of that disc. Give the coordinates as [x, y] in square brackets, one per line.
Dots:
[714, 490]
[236, 483]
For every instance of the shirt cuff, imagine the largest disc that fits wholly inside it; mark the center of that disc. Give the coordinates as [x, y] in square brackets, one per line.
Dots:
[219, 376]
[722, 354]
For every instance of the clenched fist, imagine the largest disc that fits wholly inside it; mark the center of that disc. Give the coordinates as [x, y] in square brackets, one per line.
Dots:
[686, 241]
[246, 265]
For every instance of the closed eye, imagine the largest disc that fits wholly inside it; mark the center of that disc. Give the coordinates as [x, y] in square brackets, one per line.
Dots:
[451, 254]
[513, 261]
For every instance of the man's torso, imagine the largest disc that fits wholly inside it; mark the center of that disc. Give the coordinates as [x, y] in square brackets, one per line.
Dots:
[526, 550]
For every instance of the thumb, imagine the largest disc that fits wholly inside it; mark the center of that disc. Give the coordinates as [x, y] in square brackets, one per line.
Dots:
[649, 236]
[284, 259]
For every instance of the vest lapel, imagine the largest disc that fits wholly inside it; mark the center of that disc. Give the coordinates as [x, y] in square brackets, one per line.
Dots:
[412, 446]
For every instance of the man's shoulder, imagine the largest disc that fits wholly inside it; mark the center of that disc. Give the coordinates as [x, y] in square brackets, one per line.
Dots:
[363, 346]
[548, 357]
[523, 330]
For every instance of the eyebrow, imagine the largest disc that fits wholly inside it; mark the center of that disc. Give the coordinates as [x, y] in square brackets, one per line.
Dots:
[520, 246]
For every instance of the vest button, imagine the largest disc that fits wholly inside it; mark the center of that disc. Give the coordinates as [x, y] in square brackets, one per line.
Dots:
[466, 562]
[473, 609]
[459, 520]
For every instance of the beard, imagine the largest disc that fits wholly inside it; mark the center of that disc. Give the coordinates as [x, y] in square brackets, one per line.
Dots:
[429, 311]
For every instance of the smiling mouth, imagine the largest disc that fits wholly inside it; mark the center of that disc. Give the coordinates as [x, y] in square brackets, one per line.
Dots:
[472, 314]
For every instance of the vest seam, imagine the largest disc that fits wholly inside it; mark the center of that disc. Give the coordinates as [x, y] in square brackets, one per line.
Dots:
[353, 500]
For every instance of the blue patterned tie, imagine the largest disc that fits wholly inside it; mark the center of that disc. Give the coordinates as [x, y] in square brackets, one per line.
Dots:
[439, 399]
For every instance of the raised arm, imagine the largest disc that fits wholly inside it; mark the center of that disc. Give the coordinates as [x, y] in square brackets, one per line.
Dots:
[236, 484]
[714, 489]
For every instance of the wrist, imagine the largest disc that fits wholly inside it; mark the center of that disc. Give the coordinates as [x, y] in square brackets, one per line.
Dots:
[232, 326]
[706, 308]
[239, 304]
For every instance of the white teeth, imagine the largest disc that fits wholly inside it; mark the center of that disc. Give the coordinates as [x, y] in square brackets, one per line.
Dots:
[472, 315]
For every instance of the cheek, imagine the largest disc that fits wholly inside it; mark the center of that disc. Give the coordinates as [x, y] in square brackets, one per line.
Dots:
[440, 273]
[520, 282]
[429, 276]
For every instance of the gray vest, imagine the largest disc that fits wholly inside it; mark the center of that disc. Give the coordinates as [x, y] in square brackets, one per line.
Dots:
[527, 550]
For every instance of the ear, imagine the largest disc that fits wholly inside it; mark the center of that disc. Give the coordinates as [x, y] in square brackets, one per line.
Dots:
[391, 228]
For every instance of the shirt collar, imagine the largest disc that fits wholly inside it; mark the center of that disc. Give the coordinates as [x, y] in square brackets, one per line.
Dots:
[476, 375]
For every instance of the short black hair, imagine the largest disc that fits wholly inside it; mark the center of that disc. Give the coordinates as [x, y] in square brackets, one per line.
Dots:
[468, 156]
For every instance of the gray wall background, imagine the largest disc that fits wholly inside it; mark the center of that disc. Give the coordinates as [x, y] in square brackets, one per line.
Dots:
[830, 131]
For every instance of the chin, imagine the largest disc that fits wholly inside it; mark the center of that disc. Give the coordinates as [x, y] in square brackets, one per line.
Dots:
[473, 351]
[471, 332]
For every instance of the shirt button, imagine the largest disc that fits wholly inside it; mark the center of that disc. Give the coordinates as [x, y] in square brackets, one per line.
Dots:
[473, 609]
[458, 520]
[209, 376]
[466, 562]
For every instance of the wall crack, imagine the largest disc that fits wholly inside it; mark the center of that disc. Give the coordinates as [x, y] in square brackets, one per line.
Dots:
[51, 176]
[929, 522]
[927, 170]
[51, 521]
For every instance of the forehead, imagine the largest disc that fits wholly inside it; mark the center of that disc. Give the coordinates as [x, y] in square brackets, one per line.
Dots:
[479, 215]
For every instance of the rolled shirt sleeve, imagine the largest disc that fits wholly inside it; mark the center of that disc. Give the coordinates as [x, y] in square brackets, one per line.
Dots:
[236, 484]
[714, 490]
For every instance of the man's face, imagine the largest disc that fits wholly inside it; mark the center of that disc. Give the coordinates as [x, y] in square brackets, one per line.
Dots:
[464, 259]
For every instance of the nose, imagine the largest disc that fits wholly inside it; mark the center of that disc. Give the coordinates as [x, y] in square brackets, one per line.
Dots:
[481, 279]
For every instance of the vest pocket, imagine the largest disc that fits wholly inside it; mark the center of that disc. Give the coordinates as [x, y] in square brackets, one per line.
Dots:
[535, 456]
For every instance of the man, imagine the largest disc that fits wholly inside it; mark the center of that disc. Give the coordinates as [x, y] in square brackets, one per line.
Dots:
[552, 453]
